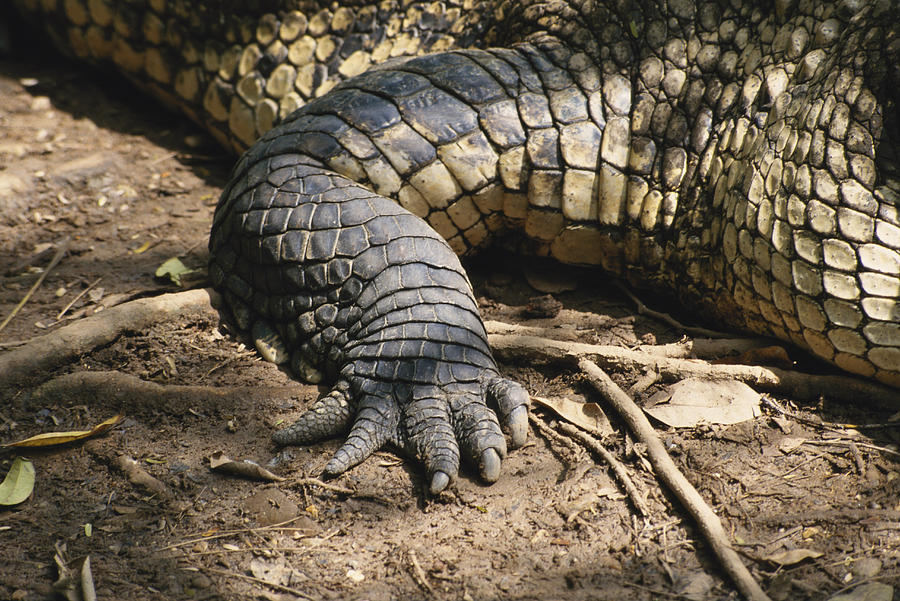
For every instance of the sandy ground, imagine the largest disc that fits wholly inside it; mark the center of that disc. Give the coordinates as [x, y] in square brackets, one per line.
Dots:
[129, 186]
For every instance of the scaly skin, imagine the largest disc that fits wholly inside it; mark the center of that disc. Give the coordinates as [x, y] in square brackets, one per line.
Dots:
[746, 160]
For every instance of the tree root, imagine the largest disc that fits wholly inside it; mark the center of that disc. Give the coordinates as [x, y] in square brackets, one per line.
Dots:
[797, 385]
[129, 392]
[27, 363]
[697, 348]
[668, 473]
[617, 466]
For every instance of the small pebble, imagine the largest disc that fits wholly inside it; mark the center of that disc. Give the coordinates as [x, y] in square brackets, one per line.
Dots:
[41, 103]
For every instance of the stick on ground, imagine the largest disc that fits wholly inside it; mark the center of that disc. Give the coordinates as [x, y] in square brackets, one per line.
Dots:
[668, 473]
[618, 468]
[60, 253]
[800, 386]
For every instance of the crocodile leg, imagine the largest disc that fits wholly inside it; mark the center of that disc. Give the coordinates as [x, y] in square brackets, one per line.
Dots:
[365, 291]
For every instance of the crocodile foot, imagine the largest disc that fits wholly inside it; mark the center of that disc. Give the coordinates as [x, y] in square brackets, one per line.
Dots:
[434, 424]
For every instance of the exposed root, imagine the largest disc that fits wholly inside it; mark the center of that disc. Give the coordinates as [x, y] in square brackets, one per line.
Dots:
[418, 573]
[28, 362]
[668, 473]
[618, 468]
[797, 385]
[697, 348]
[128, 392]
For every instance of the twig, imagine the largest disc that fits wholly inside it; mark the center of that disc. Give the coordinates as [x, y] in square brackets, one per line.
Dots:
[255, 550]
[618, 469]
[136, 474]
[75, 300]
[668, 473]
[418, 573]
[828, 516]
[552, 434]
[797, 385]
[843, 429]
[798, 466]
[127, 390]
[29, 261]
[278, 526]
[316, 482]
[280, 587]
[696, 348]
[222, 364]
[60, 253]
[666, 318]
[857, 457]
[339, 490]
[847, 443]
[164, 157]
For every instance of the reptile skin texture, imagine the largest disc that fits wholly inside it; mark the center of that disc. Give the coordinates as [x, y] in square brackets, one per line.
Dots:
[742, 157]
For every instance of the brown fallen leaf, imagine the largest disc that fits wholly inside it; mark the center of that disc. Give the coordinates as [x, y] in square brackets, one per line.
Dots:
[789, 444]
[792, 556]
[220, 462]
[73, 585]
[588, 416]
[694, 401]
[869, 591]
[49, 439]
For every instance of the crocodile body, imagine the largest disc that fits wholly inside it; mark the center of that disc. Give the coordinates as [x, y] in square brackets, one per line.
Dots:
[746, 159]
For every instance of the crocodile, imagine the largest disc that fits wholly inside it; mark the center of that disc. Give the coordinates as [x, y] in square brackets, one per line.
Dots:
[744, 158]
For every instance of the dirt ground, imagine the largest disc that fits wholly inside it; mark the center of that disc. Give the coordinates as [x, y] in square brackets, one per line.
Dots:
[87, 159]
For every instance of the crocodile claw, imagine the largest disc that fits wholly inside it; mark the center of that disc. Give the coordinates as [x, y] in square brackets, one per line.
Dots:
[433, 425]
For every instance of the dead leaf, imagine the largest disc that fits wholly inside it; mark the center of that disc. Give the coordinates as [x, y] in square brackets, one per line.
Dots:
[572, 509]
[19, 482]
[693, 401]
[791, 556]
[88, 592]
[71, 585]
[871, 591]
[790, 443]
[49, 439]
[172, 270]
[785, 425]
[220, 462]
[584, 415]
[698, 586]
[273, 572]
[271, 506]
[143, 247]
[66, 584]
